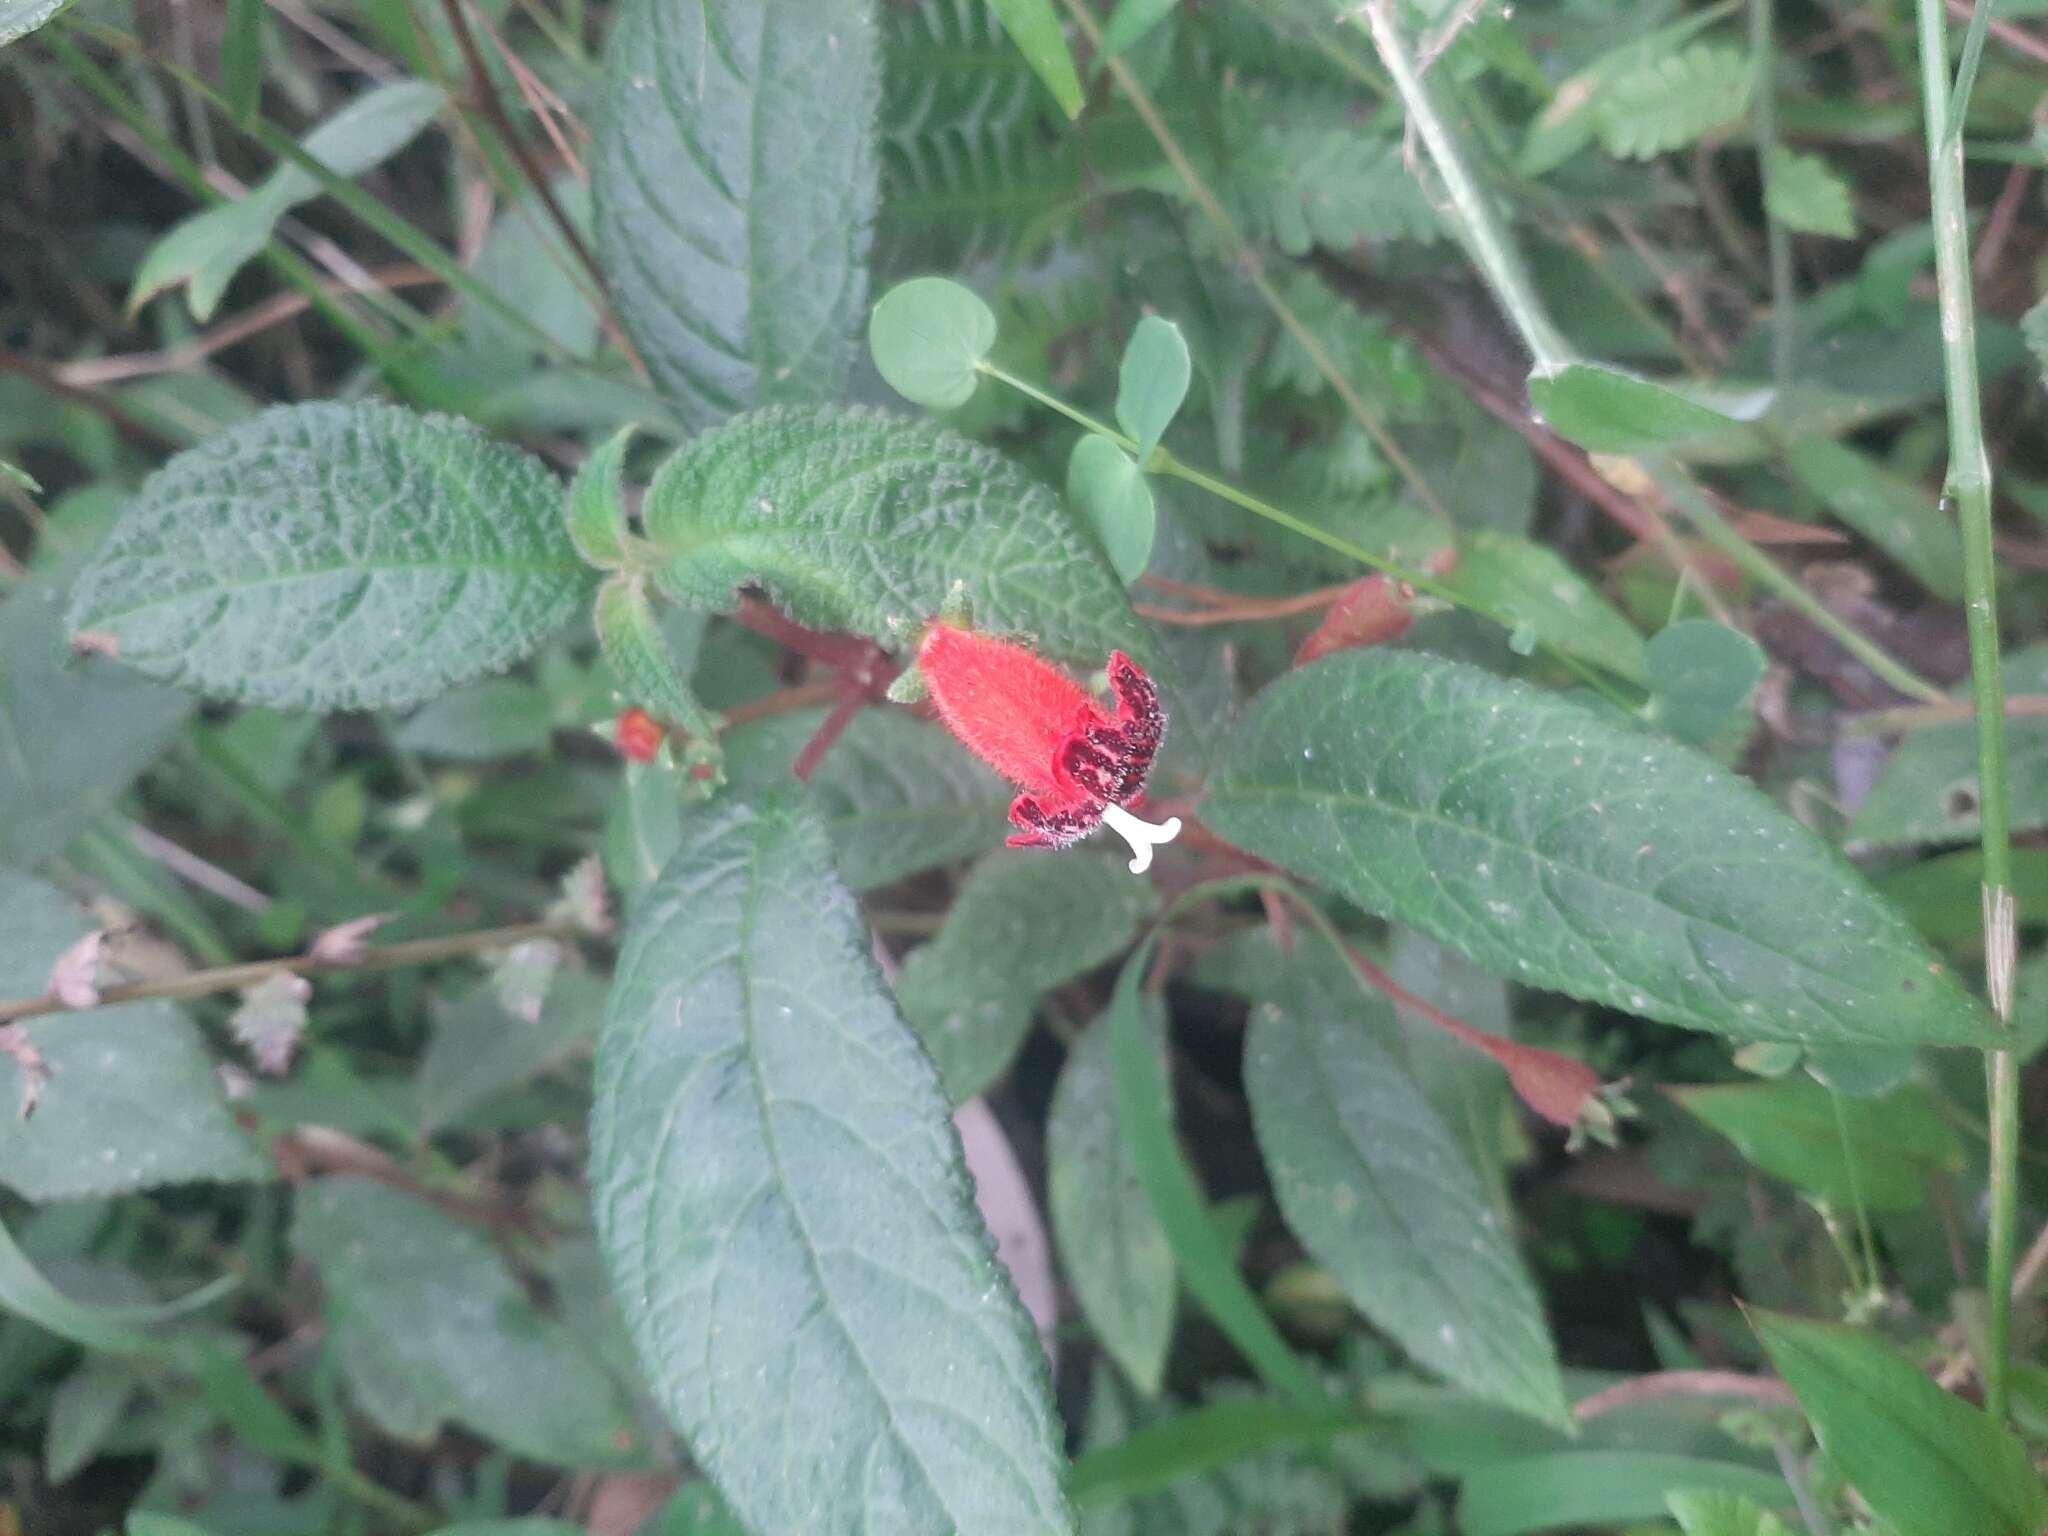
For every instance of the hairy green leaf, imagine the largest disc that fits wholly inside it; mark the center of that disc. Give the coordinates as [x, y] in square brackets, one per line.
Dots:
[734, 178]
[1923, 1459]
[1664, 103]
[1374, 1185]
[1112, 1248]
[1554, 847]
[783, 1209]
[429, 1325]
[857, 520]
[1022, 924]
[329, 556]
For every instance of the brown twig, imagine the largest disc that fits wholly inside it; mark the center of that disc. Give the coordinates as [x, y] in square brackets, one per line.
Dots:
[1244, 610]
[1914, 717]
[1661, 1384]
[852, 700]
[786, 701]
[232, 978]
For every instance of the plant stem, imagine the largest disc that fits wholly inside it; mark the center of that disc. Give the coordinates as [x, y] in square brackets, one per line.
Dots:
[1763, 121]
[1969, 489]
[1698, 509]
[232, 978]
[1497, 258]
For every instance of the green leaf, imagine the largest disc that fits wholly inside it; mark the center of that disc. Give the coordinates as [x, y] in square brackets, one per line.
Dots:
[1112, 1248]
[929, 336]
[782, 1206]
[1804, 193]
[145, 1522]
[74, 731]
[1201, 1440]
[1700, 1513]
[1573, 1489]
[1529, 585]
[1034, 26]
[1379, 1193]
[1152, 382]
[1665, 103]
[85, 1410]
[856, 520]
[241, 58]
[1021, 925]
[428, 1325]
[1924, 1460]
[2034, 328]
[696, 1510]
[735, 178]
[1131, 20]
[1110, 494]
[1300, 169]
[1552, 846]
[480, 722]
[1702, 676]
[1927, 792]
[480, 1048]
[206, 250]
[329, 556]
[1608, 411]
[110, 1330]
[1144, 1107]
[597, 503]
[1943, 896]
[18, 18]
[1794, 1129]
[1894, 514]
[639, 657]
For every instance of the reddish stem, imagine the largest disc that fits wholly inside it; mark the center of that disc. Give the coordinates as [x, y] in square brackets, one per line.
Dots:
[851, 702]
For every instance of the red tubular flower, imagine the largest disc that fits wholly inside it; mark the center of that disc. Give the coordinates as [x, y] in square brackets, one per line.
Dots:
[639, 735]
[1078, 765]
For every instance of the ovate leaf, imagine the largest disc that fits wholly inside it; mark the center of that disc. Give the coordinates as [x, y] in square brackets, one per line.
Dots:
[929, 336]
[1021, 925]
[429, 1325]
[1609, 411]
[1554, 847]
[1531, 586]
[1806, 194]
[735, 182]
[330, 556]
[857, 520]
[1377, 1189]
[783, 1209]
[1923, 1459]
[1112, 1248]
[1796, 1130]
[1110, 494]
[1152, 382]
[1702, 677]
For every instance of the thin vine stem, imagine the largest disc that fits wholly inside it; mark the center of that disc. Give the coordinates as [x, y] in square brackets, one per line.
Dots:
[1969, 490]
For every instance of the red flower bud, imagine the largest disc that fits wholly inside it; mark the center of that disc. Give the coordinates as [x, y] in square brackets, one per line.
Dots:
[639, 735]
[1078, 764]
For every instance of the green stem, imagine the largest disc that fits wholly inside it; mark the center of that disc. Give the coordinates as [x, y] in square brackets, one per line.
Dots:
[1763, 121]
[1698, 509]
[1969, 489]
[1497, 258]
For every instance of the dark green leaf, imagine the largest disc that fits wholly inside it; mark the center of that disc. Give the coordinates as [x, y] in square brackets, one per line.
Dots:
[1573, 1489]
[1794, 1129]
[74, 731]
[929, 336]
[1152, 381]
[857, 520]
[1943, 896]
[782, 1207]
[735, 180]
[1144, 1105]
[1112, 1248]
[428, 1325]
[1702, 677]
[330, 556]
[1379, 1193]
[1904, 521]
[1923, 1459]
[241, 57]
[1110, 494]
[85, 1410]
[1554, 847]
[1608, 411]
[1022, 924]
[1034, 26]
[637, 652]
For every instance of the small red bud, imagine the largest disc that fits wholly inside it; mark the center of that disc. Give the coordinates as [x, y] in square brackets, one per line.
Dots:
[640, 736]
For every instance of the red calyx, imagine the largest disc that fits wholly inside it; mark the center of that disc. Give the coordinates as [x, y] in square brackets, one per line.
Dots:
[639, 735]
[1077, 763]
